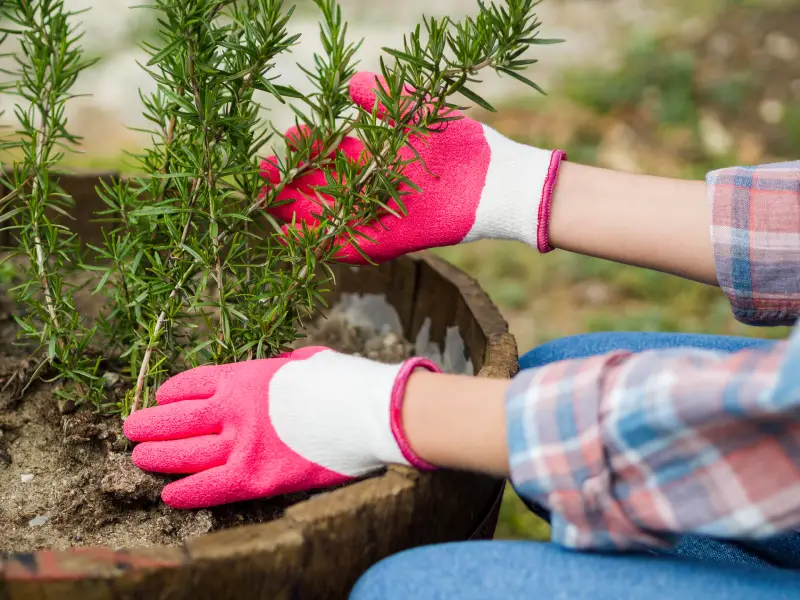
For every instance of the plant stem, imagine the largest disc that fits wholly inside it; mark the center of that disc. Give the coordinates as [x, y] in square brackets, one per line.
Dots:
[48, 64]
[188, 273]
[36, 192]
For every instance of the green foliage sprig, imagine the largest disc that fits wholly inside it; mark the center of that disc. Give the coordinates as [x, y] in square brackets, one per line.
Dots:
[195, 271]
[48, 63]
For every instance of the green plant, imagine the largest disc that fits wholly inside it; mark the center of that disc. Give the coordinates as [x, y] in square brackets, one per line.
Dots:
[47, 66]
[195, 271]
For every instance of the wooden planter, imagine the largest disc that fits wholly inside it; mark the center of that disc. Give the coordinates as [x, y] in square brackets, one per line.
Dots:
[321, 546]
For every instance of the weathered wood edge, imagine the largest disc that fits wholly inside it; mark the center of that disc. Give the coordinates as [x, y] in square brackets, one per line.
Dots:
[500, 360]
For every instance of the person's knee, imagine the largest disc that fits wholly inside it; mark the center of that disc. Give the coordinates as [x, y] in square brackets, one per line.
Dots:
[454, 570]
[398, 575]
[505, 569]
[574, 346]
[595, 344]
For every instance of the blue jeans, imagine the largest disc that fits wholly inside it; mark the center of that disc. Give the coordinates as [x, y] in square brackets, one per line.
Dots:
[698, 567]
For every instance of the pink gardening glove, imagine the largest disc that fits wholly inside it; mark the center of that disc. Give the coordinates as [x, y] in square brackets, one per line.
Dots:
[475, 184]
[268, 427]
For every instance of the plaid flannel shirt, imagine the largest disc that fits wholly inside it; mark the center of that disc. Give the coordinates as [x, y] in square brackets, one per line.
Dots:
[633, 450]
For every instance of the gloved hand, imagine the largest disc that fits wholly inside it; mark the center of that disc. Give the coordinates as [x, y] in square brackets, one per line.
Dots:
[475, 184]
[306, 420]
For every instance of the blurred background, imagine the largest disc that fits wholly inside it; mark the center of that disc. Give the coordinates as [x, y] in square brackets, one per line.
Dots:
[671, 88]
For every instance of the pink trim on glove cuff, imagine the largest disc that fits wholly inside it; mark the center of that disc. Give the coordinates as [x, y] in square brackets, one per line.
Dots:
[543, 230]
[396, 410]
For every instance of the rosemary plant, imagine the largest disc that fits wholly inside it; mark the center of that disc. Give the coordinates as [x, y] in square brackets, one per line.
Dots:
[196, 271]
[47, 65]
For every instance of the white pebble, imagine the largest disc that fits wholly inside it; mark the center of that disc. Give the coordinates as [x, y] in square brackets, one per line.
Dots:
[391, 340]
[26, 477]
[38, 521]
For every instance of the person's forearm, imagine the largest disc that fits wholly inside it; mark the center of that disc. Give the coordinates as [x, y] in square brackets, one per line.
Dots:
[654, 222]
[581, 441]
[457, 422]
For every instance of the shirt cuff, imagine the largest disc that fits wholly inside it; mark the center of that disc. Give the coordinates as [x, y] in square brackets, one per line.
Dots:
[557, 456]
[755, 231]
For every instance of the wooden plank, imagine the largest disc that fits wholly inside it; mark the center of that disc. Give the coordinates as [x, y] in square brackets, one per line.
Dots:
[253, 561]
[351, 529]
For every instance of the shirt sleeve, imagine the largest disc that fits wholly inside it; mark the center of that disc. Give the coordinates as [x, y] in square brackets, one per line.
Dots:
[755, 230]
[631, 450]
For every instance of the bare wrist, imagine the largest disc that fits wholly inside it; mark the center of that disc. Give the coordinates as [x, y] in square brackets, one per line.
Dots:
[457, 422]
[654, 222]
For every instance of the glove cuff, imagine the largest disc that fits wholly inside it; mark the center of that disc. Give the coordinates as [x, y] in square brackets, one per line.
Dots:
[543, 222]
[517, 193]
[396, 410]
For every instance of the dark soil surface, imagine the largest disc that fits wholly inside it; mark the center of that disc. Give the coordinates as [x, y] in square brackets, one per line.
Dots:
[67, 480]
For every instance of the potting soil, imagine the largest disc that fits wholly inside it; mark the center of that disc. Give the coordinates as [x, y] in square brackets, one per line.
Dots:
[67, 479]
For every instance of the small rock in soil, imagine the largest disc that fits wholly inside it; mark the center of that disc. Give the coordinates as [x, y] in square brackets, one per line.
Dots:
[87, 426]
[38, 521]
[10, 421]
[128, 484]
[26, 477]
[391, 341]
[111, 379]
[66, 406]
[202, 522]
[183, 524]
